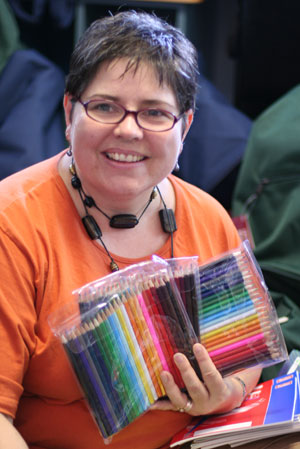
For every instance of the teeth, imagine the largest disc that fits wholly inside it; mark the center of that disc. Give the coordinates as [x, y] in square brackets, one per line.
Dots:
[124, 158]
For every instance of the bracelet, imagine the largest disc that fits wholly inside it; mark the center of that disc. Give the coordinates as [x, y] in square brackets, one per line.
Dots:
[242, 383]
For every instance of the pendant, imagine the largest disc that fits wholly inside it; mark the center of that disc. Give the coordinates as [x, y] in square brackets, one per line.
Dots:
[125, 221]
[113, 266]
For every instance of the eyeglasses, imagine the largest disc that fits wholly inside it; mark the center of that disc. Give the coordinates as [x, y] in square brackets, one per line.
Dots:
[111, 113]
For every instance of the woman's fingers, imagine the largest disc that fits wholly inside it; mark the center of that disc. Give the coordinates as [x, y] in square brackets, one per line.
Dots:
[212, 394]
[176, 400]
[220, 392]
[200, 396]
[196, 393]
[176, 396]
[195, 388]
[211, 376]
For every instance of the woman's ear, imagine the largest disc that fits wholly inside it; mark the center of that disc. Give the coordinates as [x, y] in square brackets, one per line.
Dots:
[188, 120]
[68, 105]
[68, 132]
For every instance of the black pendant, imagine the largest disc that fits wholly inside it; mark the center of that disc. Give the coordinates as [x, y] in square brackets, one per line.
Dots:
[125, 221]
[167, 220]
[91, 227]
[76, 183]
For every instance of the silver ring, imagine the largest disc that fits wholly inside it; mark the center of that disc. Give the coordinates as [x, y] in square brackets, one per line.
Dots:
[187, 408]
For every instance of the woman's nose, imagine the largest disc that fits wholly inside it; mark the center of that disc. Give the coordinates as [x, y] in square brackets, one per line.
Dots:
[129, 128]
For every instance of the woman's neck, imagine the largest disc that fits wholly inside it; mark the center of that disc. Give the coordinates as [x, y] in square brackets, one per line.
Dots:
[145, 239]
[144, 206]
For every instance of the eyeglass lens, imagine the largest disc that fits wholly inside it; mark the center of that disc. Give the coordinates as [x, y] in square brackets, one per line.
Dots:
[108, 112]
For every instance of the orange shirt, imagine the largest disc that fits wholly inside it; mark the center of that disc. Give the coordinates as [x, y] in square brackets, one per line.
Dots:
[45, 254]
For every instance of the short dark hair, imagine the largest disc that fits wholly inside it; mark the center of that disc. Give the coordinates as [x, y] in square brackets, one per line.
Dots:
[137, 36]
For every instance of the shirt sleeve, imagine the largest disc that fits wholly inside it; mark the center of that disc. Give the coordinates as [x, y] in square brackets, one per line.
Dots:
[18, 318]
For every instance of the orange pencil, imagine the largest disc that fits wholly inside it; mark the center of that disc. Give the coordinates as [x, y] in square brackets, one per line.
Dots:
[232, 333]
[144, 340]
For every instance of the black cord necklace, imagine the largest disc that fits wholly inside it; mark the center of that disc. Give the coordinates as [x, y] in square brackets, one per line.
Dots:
[121, 221]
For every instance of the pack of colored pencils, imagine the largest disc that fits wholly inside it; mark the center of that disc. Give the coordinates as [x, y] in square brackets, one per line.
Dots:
[185, 271]
[238, 322]
[121, 334]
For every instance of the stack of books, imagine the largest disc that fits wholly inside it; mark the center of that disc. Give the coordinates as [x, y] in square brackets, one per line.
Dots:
[273, 408]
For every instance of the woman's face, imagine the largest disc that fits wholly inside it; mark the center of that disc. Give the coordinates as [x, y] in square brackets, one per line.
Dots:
[122, 160]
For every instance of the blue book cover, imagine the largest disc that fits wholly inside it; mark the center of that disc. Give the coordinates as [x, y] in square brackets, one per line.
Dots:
[270, 404]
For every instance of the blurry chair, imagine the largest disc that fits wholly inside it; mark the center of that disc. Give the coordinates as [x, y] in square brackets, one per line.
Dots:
[31, 114]
[268, 193]
[215, 143]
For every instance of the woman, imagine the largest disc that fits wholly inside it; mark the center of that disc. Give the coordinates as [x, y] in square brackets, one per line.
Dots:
[106, 202]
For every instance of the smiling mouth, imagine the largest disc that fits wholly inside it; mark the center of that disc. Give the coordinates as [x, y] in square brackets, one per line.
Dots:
[121, 157]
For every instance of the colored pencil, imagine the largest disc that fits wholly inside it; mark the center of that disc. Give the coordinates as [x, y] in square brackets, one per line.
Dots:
[133, 322]
[234, 314]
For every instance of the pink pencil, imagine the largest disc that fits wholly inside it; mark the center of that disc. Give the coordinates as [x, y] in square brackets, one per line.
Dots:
[153, 333]
[246, 341]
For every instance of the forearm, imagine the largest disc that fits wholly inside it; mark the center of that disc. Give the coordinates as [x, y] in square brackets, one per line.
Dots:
[240, 384]
[9, 436]
[250, 377]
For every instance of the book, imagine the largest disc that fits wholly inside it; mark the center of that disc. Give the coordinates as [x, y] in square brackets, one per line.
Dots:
[272, 408]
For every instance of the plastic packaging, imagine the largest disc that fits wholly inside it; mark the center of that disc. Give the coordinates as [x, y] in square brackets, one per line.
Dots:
[292, 364]
[238, 322]
[119, 333]
[186, 275]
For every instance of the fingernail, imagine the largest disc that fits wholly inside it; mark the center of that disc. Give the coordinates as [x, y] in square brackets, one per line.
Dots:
[198, 350]
[179, 360]
[164, 377]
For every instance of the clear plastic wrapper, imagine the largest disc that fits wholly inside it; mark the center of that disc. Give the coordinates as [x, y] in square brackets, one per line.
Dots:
[186, 275]
[119, 334]
[121, 331]
[292, 364]
[238, 321]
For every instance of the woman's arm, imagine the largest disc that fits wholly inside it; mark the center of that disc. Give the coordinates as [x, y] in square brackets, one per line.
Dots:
[9, 436]
[214, 394]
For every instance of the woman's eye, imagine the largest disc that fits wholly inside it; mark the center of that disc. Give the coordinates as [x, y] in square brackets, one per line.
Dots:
[103, 107]
[155, 112]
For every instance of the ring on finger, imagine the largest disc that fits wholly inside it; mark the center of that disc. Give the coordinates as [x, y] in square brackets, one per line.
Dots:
[187, 407]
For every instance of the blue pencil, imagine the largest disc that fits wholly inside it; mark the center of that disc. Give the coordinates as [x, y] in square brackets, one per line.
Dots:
[106, 421]
[94, 348]
[234, 309]
[138, 393]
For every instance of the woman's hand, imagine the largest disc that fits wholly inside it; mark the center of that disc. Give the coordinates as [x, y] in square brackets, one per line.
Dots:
[212, 395]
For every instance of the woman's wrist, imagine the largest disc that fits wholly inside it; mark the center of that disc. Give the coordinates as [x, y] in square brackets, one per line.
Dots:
[242, 387]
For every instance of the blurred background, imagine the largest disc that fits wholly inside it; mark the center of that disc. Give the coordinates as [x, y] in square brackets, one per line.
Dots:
[248, 58]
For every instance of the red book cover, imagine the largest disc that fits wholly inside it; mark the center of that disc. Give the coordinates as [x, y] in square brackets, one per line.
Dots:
[271, 403]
